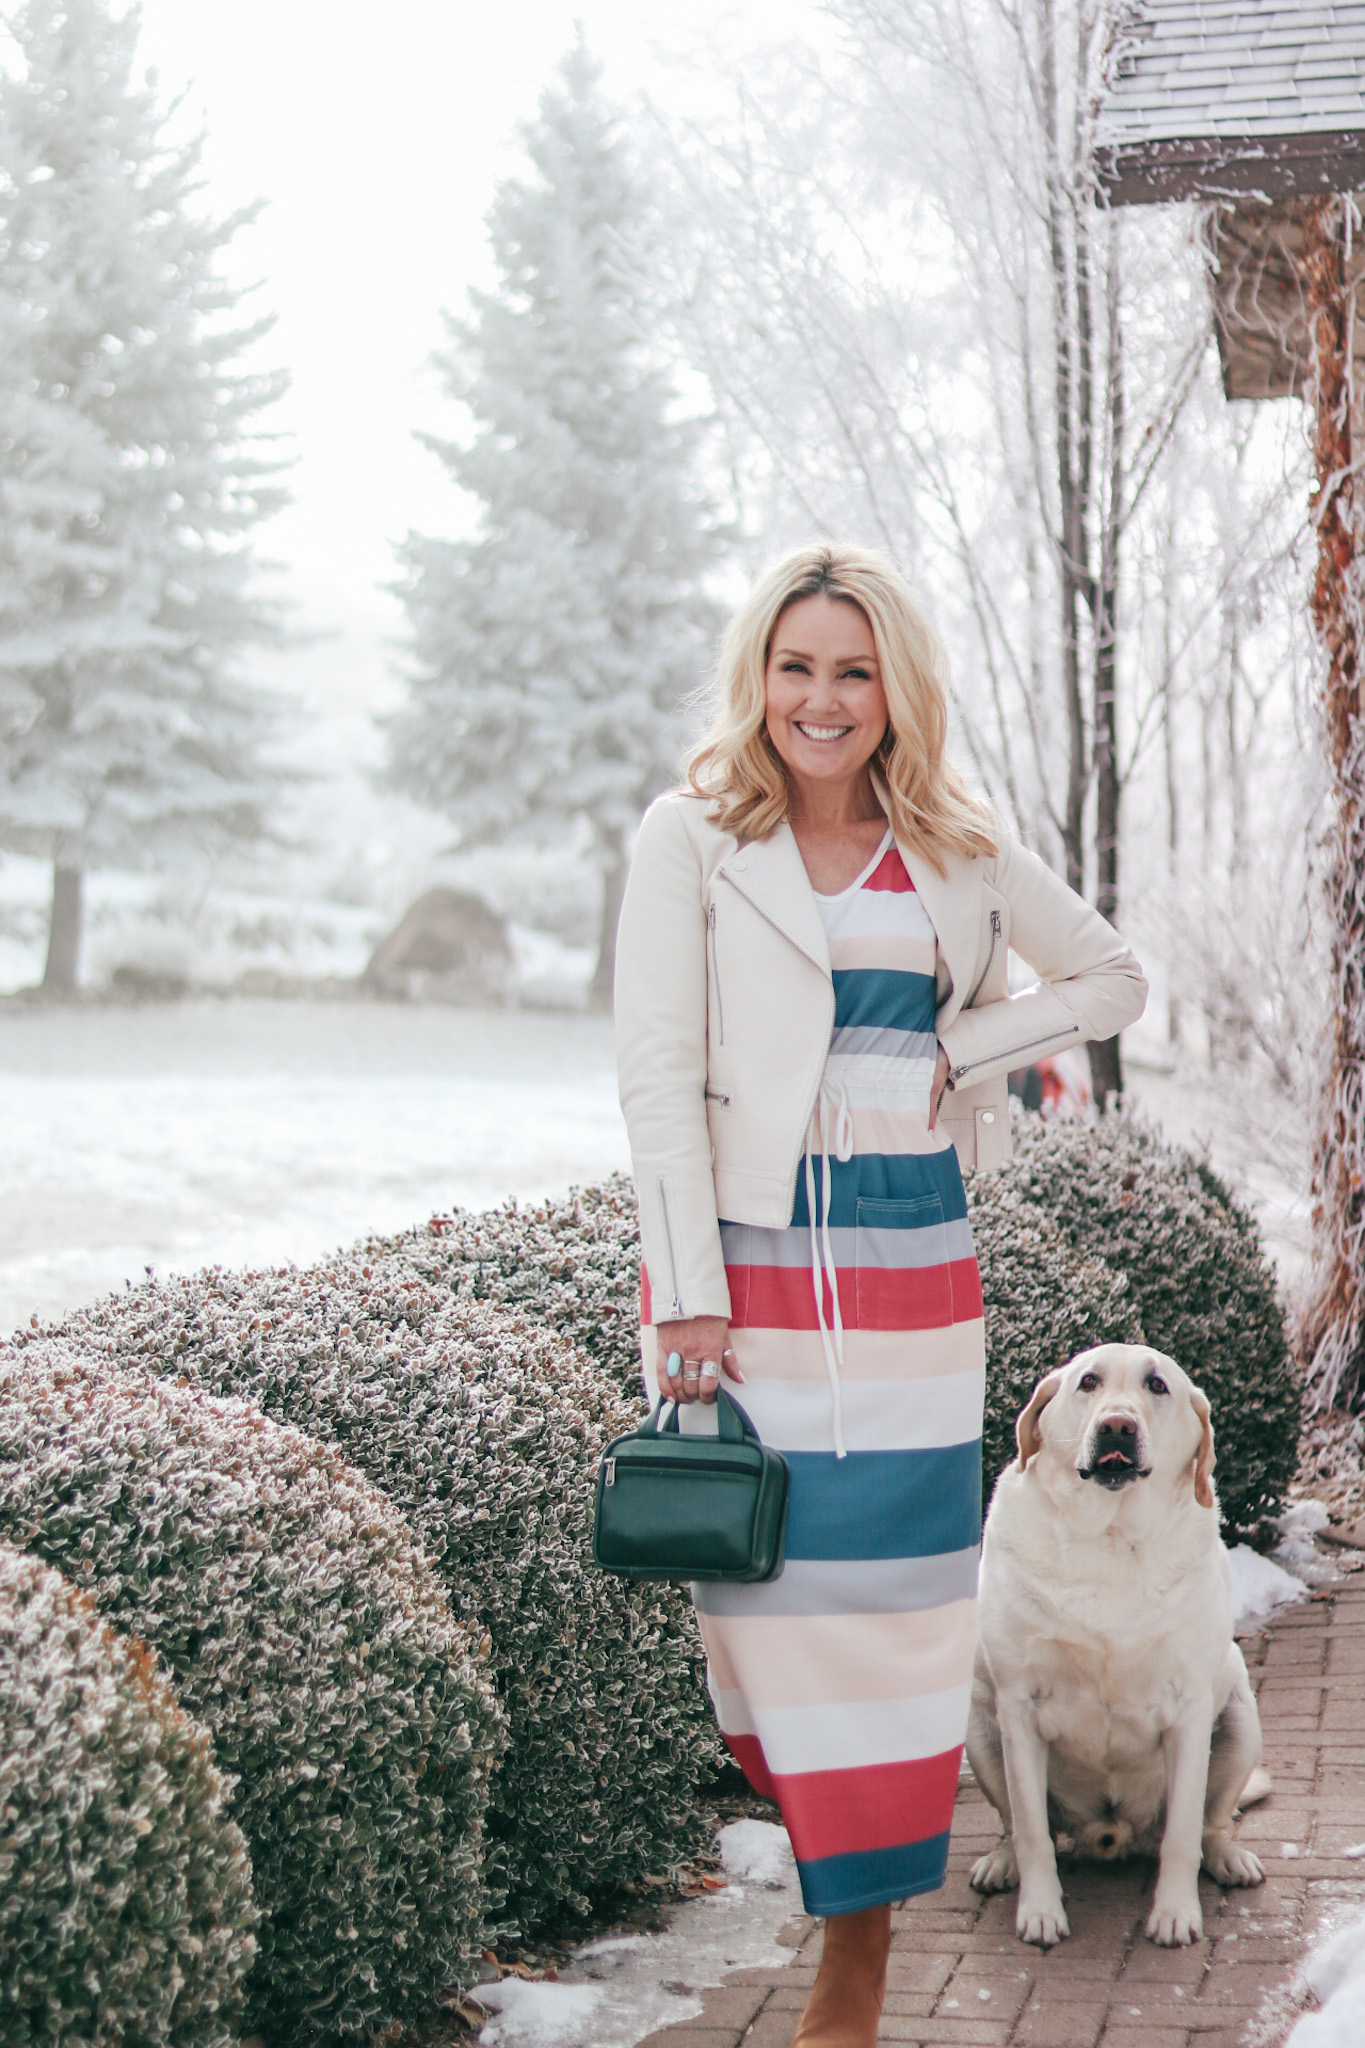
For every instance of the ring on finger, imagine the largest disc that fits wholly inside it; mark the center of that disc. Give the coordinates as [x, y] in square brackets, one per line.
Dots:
[709, 1369]
[674, 1366]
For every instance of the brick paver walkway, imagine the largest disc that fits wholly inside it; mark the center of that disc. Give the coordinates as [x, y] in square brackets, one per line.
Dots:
[960, 1976]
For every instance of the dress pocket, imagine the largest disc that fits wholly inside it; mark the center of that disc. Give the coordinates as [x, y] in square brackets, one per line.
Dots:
[904, 1278]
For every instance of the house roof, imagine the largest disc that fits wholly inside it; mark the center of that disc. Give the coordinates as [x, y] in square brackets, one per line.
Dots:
[1212, 98]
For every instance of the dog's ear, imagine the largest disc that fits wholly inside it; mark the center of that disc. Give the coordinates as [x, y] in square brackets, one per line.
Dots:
[1203, 1463]
[1026, 1432]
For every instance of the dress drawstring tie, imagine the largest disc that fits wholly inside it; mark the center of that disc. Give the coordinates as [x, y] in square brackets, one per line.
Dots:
[822, 1264]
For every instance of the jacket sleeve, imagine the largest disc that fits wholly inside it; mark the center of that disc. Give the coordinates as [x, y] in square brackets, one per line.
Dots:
[661, 1014]
[1090, 985]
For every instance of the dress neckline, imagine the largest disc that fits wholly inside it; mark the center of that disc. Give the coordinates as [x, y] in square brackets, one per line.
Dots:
[878, 857]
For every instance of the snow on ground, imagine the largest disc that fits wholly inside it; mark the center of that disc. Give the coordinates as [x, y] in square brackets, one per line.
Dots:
[612, 1993]
[1259, 1586]
[213, 1131]
[1335, 1974]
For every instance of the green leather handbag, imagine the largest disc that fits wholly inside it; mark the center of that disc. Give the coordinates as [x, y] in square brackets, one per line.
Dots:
[692, 1507]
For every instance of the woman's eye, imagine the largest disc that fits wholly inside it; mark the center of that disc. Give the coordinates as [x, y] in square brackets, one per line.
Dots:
[1157, 1386]
[1088, 1382]
[794, 668]
[856, 675]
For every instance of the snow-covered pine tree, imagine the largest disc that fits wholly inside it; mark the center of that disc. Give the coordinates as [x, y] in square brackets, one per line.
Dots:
[131, 473]
[553, 650]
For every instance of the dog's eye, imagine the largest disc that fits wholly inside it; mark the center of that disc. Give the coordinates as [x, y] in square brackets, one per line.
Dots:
[1157, 1385]
[1088, 1382]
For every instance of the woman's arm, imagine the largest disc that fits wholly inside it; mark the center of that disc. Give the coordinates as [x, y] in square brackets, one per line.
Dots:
[1090, 984]
[661, 1062]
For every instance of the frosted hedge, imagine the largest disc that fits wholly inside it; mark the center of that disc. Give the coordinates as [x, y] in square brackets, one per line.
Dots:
[299, 1622]
[485, 1429]
[125, 1887]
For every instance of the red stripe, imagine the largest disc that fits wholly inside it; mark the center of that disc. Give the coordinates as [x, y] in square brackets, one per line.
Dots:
[890, 873]
[879, 1806]
[646, 1302]
[870, 1297]
[748, 1754]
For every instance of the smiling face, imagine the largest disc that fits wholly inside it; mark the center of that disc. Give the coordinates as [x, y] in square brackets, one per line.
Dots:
[1118, 1414]
[826, 708]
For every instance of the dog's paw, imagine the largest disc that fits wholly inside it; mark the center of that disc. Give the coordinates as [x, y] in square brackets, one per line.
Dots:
[998, 1872]
[1227, 1862]
[1042, 1921]
[1175, 1926]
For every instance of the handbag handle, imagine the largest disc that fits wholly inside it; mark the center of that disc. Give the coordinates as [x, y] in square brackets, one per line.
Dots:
[734, 1424]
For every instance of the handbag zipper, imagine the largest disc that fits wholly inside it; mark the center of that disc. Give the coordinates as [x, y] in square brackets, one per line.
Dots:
[980, 979]
[676, 1304]
[672, 1465]
[715, 975]
[1014, 1052]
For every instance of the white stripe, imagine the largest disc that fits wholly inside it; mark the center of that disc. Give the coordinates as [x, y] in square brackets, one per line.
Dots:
[873, 913]
[848, 1736]
[879, 1415]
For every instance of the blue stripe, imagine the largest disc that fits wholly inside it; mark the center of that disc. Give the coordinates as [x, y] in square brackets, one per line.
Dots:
[884, 1503]
[885, 995]
[871, 1877]
[885, 1177]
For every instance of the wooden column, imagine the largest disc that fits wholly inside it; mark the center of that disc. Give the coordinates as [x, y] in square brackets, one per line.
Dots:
[1333, 1330]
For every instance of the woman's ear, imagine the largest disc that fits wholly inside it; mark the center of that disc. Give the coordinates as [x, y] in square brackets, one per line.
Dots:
[1203, 1462]
[1027, 1434]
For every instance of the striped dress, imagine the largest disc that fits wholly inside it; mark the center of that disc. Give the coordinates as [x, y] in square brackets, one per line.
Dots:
[842, 1687]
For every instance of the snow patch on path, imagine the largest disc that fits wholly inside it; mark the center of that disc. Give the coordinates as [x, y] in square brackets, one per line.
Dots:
[1259, 1585]
[1335, 1974]
[614, 1992]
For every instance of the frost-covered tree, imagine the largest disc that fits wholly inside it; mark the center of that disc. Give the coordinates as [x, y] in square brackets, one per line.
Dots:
[553, 649]
[131, 473]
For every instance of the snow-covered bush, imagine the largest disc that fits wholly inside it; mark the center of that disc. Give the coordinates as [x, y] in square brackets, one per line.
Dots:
[1202, 1287]
[300, 1623]
[1044, 1299]
[125, 1887]
[572, 1263]
[486, 1431]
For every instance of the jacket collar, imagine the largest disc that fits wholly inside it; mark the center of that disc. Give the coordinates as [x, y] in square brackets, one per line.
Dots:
[771, 874]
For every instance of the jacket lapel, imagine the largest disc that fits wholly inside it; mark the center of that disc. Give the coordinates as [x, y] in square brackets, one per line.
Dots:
[954, 906]
[770, 874]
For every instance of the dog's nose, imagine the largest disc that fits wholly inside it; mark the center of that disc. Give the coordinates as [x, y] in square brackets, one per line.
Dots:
[1117, 1425]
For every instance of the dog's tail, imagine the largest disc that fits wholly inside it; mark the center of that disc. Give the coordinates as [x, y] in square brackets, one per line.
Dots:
[1106, 1838]
[1257, 1787]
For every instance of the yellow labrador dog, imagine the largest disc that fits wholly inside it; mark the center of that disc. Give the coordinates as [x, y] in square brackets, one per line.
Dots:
[1109, 1698]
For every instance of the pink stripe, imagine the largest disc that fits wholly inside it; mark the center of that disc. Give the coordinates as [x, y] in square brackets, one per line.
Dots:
[870, 1298]
[890, 873]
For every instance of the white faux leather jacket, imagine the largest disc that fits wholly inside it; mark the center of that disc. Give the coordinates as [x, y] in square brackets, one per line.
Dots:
[725, 1004]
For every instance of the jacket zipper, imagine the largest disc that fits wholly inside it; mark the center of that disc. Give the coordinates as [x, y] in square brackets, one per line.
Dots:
[677, 1307]
[716, 1095]
[1014, 1052]
[980, 979]
[715, 975]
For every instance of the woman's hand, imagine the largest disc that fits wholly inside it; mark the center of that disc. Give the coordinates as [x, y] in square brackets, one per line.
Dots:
[700, 1351]
[940, 1082]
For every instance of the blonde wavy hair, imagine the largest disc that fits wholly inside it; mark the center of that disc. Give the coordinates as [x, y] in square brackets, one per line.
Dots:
[735, 763]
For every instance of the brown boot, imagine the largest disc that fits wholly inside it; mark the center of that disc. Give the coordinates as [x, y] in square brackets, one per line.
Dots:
[850, 1984]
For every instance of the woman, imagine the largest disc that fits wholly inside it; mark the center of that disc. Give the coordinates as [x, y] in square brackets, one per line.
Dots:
[814, 1030]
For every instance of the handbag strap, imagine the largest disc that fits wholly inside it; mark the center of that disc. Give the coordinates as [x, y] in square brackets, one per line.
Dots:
[733, 1424]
